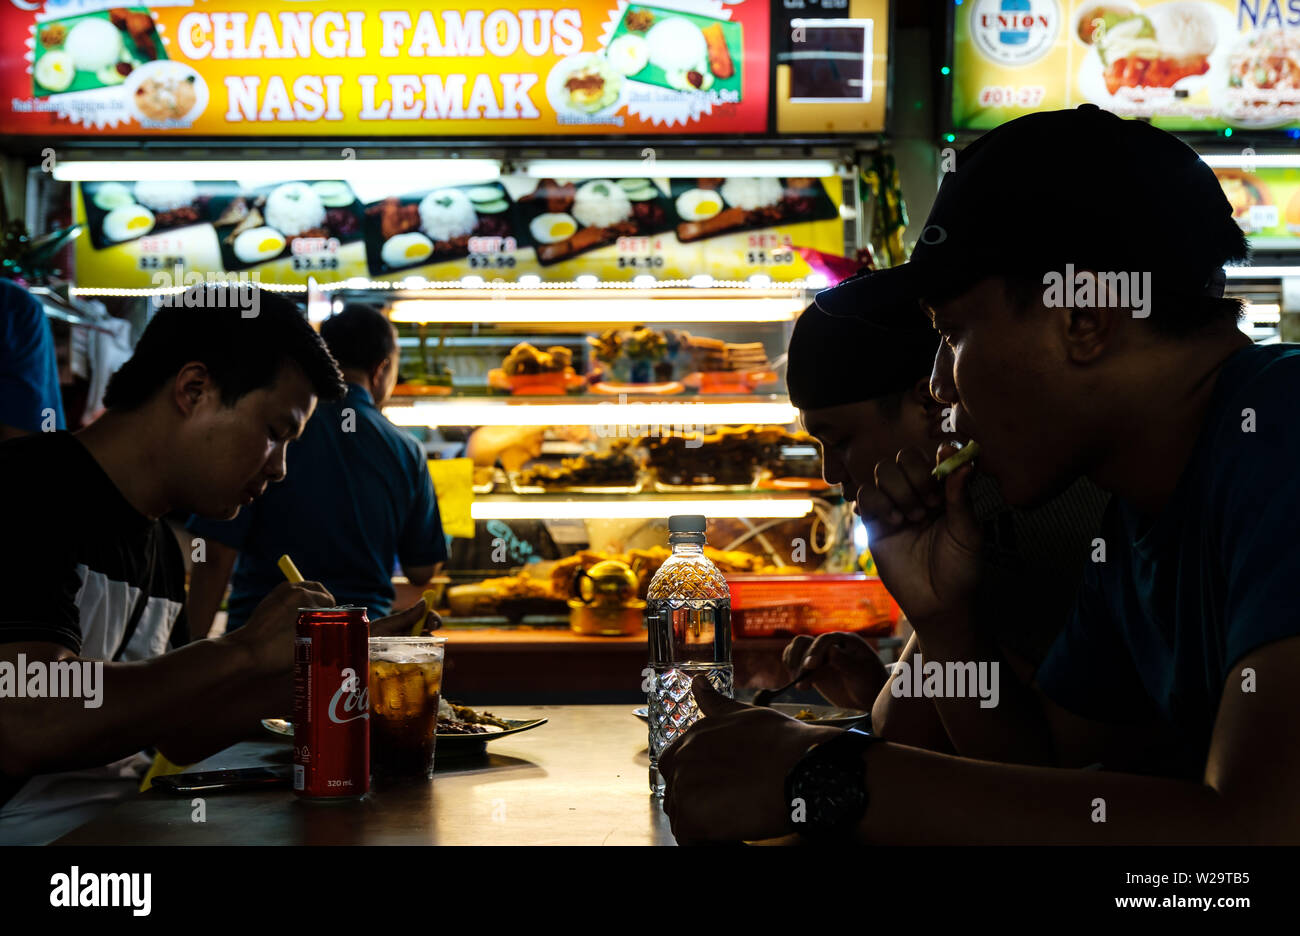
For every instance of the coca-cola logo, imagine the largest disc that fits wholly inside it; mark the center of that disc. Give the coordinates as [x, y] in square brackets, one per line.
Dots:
[354, 698]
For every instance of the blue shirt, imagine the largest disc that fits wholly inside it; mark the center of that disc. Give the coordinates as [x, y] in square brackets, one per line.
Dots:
[29, 370]
[1160, 626]
[350, 502]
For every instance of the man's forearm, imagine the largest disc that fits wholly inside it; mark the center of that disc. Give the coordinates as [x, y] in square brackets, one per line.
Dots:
[1010, 730]
[922, 798]
[199, 691]
[208, 581]
[228, 719]
[907, 719]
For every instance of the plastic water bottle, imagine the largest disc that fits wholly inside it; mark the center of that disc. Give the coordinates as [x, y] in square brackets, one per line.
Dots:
[688, 617]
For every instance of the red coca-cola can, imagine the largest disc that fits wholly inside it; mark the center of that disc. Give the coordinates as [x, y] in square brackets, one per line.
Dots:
[331, 704]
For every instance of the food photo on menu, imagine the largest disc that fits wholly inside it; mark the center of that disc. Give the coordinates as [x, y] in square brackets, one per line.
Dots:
[258, 225]
[117, 212]
[565, 218]
[404, 231]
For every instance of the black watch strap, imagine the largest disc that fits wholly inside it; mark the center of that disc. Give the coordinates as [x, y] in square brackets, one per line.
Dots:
[827, 790]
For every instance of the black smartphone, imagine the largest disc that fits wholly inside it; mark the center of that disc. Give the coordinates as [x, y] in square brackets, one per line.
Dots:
[207, 781]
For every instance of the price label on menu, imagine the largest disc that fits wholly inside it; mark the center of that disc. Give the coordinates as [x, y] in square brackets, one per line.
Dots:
[315, 253]
[159, 262]
[492, 253]
[639, 253]
[769, 250]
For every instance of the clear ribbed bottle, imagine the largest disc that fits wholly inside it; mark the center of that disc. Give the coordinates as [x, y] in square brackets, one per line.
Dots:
[688, 618]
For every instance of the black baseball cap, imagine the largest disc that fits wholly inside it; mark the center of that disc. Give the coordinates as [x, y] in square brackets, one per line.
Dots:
[1079, 186]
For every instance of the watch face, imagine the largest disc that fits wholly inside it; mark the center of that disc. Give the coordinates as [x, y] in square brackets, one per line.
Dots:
[828, 790]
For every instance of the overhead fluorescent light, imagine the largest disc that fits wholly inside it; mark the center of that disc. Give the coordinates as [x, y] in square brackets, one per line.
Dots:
[616, 311]
[637, 509]
[1250, 161]
[678, 168]
[356, 171]
[623, 419]
[1260, 272]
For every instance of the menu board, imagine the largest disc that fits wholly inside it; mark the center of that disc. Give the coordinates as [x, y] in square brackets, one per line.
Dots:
[306, 68]
[1265, 203]
[1184, 64]
[156, 234]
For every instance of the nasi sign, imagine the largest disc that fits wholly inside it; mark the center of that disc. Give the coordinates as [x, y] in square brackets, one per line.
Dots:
[282, 67]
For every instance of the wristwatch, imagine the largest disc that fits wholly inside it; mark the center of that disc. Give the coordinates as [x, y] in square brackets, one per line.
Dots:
[827, 789]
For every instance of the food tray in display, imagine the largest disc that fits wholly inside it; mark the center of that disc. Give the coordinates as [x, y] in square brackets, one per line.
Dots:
[547, 222]
[836, 602]
[723, 42]
[262, 243]
[610, 388]
[663, 487]
[414, 390]
[703, 210]
[136, 39]
[729, 382]
[576, 489]
[495, 217]
[132, 220]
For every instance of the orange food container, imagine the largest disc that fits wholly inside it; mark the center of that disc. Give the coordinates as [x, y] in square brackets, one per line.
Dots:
[770, 605]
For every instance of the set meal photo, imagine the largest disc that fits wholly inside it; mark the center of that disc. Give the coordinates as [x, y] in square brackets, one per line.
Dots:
[260, 225]
[404, 231]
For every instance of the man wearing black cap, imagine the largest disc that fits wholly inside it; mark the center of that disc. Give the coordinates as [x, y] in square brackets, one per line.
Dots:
[1184, 641]
[864, 393]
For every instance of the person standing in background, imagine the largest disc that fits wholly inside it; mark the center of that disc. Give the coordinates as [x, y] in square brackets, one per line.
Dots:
[358, 495]
[30, 400]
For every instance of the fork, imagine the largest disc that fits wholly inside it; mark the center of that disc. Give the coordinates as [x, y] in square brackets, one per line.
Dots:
[764, 697]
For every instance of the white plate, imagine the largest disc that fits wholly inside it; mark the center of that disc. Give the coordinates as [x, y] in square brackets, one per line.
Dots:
[559, 98]
[1092, 81]
[161, 68]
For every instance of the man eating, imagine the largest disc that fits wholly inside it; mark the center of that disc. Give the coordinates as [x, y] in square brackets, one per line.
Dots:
[198, 420]
[863, 391]
[1074, 342]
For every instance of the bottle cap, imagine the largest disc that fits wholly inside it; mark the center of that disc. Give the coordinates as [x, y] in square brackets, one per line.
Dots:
[686, 523]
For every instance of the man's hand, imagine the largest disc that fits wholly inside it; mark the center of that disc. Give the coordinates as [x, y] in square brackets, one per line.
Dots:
[725, 776]
[923, 535]
[268, 635]
[847, 671]
[401, 623]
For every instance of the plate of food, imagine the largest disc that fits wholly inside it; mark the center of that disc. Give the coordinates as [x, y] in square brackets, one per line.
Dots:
[812, 714]
[435, 226]
[461, 729]
[585, 85]
[710, 207]
[1262, 80]
[614, 471]
[565, 219]
[678, 51]
[1164, 52]
[93, 50]
[117, 212]
[262, 225]
[166, 94]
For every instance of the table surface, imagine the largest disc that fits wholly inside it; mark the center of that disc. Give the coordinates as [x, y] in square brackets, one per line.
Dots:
[580, 779]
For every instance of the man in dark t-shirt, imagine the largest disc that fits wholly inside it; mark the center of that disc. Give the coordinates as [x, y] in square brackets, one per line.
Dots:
[359, 493]
[1073, 342]
[92, 667]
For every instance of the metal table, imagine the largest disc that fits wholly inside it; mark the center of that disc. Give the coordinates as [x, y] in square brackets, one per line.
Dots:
[581, 779]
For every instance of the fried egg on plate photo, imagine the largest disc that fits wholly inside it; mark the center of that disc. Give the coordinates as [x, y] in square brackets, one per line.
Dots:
[128, 221]
[405, 249]
[698, 204]
[552, 227]
[258, 244]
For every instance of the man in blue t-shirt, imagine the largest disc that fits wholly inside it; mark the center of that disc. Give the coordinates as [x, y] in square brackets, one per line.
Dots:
[357, 495]
[30, 400]
[1076, 340]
